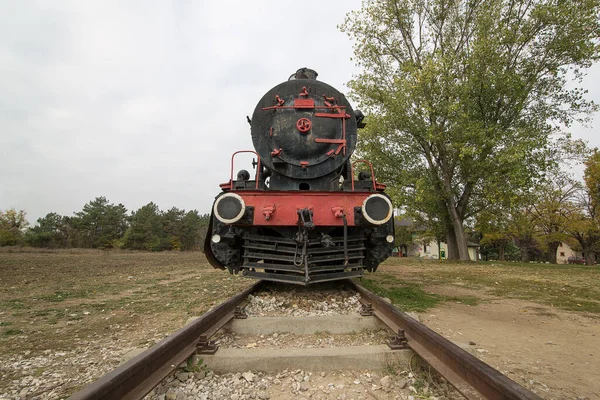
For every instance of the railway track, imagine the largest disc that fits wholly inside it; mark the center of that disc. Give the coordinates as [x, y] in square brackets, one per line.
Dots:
[470, 376]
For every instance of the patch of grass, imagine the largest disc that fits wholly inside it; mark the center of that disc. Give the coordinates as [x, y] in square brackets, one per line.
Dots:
[42, 313]
[537, 288]
[194, 364]
[5, 323]
[62, 295]
[569, 287]
[404, 295]
[393, 368]
[12, 332]
[13, 304]
[410, 296]
[424, 378]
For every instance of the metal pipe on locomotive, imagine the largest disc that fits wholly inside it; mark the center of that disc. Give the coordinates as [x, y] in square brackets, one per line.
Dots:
[304, 218]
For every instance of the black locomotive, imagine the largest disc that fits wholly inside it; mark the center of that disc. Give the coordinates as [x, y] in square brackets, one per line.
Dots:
[304, 218]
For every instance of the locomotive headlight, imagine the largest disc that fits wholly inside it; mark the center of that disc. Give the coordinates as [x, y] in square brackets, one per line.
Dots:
[216, 238]
[229, 208]
[389, 238]
[377, 209]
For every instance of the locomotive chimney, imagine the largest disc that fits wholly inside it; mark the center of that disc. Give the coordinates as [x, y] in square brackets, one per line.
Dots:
[304, 73]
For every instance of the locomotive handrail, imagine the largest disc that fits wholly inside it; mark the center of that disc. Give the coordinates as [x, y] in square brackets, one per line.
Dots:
[372, 172]
[256, 176]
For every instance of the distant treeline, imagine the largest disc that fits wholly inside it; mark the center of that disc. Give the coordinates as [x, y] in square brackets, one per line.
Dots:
[102, 225]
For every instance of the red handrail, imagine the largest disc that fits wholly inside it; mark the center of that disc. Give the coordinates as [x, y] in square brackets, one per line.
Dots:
[372, 172]
[256, 176]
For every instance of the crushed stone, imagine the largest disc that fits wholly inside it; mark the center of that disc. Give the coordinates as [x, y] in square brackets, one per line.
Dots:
[303, 303]
[298, 384]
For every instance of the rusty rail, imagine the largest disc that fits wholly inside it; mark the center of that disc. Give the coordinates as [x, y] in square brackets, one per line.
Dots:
[469, 375]
[473, 378]
[137, 377]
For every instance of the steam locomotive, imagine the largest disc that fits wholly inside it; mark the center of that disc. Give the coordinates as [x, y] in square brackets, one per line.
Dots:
[304, 218]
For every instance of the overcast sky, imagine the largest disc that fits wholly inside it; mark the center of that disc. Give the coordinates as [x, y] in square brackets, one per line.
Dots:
[143, 101]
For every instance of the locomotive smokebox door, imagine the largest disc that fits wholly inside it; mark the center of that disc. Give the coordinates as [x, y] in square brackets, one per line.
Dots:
[304, 128]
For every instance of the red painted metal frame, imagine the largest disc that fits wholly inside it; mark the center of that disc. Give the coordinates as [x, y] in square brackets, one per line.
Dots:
[340, 142]
[304, 103]
[372, 172]
[332, 115]
[282, 206]
[293, 107]
[256, 176]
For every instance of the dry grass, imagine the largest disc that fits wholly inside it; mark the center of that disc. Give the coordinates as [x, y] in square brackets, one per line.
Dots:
[59, 300]
[570, 287]
[49, 298]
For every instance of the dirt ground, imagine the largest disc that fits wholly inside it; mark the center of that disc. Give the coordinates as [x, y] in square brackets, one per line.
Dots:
[69, 316]
[548, 349]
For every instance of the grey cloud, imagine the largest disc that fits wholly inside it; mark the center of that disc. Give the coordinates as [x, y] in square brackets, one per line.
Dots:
[145, 101]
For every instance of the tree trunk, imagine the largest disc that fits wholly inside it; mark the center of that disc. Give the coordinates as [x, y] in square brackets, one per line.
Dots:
[501, 253]
[553, 247]
[452, 247]
[588, 253]
[590, 257]
[524, 253]
[459, 234]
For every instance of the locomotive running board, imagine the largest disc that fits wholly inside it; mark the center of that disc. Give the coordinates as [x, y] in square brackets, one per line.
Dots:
[300, 280]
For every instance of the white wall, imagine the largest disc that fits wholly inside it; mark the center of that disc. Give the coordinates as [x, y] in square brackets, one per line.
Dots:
[563, 253]
[432, 251]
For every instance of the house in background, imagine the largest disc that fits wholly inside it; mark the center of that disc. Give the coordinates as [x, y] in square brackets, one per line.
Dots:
[565, 251]
[433, 250]
[411, 243]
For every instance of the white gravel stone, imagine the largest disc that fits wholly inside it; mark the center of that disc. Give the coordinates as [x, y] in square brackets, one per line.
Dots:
[385, 382]
[183, 376]
[56, 370]
[171, 394]
[300, 304]
[248, 376]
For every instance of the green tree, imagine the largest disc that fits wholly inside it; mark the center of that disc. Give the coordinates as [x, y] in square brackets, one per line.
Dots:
[12, 225]
[194, 229]
[172, 228]
[50, 231]
[146, 229]
[469, 94]
[554, 202]
[522, 228]
[493, 226]
[99, 224]
[591, 177]
[583, 223]
[404, 237]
